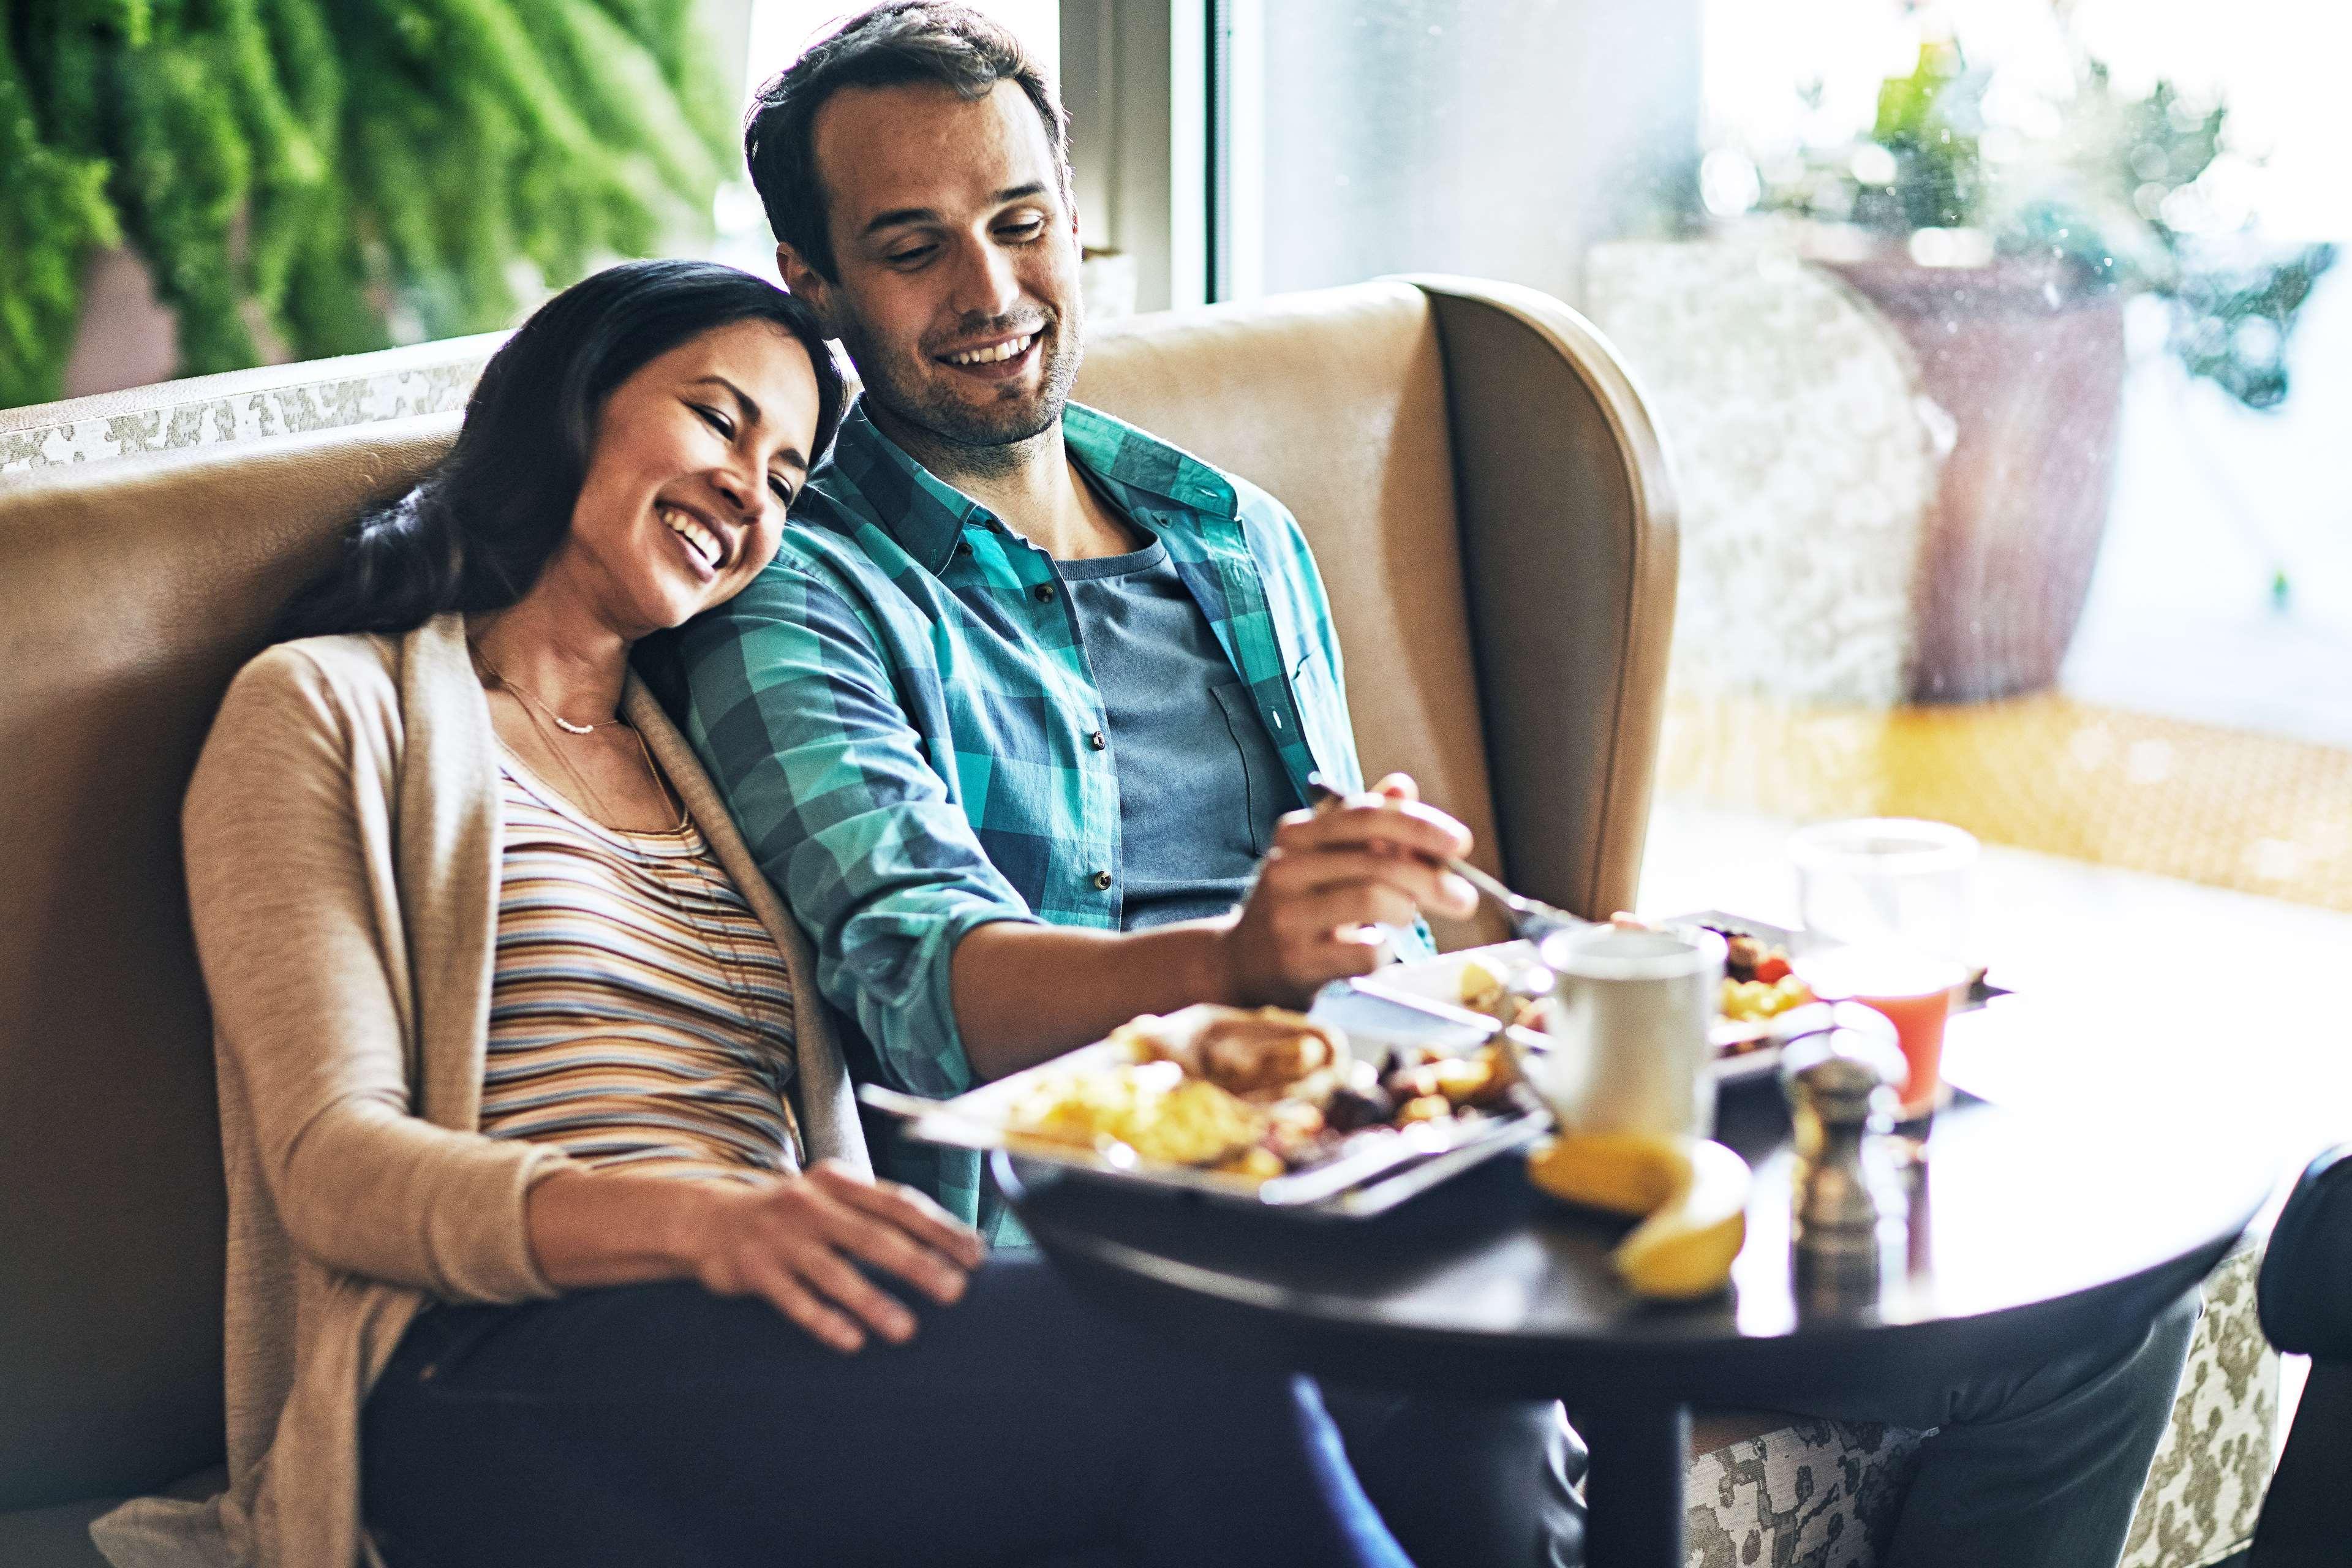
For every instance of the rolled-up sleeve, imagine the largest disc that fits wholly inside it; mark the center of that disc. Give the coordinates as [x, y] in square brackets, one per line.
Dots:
[789, 699]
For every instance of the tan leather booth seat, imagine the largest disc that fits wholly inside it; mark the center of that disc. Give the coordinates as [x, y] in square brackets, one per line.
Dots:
[1481, 486]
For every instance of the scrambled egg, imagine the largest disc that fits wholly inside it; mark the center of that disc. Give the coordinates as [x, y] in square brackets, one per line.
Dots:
[1151, 1106]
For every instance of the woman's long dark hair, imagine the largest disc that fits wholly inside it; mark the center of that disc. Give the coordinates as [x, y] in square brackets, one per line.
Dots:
[474, 533]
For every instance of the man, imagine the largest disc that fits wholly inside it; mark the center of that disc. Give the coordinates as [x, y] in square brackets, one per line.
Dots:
[1024, 707]
[1021, 706]
[1020, 720]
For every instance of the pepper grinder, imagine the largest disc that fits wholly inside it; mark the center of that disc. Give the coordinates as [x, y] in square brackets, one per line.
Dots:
[1845, 1194]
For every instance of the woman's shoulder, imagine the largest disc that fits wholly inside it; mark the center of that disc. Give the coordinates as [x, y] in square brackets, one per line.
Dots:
[298, 715]
[345, 668]
[319, 694]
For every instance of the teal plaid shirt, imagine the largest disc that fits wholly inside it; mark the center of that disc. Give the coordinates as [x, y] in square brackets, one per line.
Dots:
[900, 712]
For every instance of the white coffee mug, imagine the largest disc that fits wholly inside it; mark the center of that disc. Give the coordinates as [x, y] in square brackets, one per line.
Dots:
[1629, 1025]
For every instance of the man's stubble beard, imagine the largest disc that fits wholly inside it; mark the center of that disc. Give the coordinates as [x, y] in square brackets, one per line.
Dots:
[947, 435]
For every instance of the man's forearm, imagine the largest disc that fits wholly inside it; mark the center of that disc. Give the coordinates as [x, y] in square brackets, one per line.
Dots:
[1026, 992]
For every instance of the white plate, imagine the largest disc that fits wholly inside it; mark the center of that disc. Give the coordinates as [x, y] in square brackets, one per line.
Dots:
[1438, 982]
[981, 1119]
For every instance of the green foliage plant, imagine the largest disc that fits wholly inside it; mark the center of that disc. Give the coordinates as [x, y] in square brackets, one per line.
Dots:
[2117, 198]
[312, 177]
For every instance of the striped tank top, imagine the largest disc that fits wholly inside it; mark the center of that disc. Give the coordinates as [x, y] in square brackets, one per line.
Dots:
[641, 1015]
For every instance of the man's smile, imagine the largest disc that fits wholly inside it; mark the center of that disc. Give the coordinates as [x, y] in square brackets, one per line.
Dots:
[998, 359]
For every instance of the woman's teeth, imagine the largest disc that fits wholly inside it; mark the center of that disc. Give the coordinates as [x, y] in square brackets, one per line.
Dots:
[683, 525]
[1010, 349]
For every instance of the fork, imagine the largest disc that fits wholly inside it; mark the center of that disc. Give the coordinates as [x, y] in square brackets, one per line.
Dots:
[1531, 918]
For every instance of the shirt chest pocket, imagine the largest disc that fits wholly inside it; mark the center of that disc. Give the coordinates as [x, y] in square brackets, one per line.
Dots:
[1261, 766]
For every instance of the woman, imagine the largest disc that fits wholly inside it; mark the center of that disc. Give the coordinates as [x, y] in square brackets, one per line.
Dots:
[552, 1236]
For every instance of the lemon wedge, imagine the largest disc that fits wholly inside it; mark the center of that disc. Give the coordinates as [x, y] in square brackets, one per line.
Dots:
[1691, 1196]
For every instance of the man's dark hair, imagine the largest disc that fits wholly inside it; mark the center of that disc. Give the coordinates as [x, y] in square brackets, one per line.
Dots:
[902, 41]
[475, 531]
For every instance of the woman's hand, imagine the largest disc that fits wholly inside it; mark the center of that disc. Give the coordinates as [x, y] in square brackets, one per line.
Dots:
[1333, 874]
[797, 1243]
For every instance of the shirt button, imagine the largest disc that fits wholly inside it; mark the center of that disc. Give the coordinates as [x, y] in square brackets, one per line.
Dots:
[1275, 718]
[1043, 592]
[1102, 881]
[1096, 741]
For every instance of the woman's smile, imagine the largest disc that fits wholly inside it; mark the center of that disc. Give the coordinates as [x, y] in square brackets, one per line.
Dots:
[699, 539]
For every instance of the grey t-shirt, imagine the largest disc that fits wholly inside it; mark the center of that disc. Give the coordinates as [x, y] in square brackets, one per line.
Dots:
[1200, 784]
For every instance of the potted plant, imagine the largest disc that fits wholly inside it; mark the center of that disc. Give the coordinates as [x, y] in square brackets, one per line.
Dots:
[2003, 257]
[308, 178]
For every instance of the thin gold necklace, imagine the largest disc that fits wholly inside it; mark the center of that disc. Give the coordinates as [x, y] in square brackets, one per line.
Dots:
[533, 704]
[550, 714]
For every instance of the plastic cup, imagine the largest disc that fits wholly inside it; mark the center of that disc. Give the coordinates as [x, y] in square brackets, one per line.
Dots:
[1887, 881]
[1886, 903]
[1913, 989]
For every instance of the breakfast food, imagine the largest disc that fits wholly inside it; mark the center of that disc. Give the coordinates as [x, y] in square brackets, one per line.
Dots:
[1754, 1001]
[1251, 1094]
[1484, 1078]
[1152, 1108]
[1261, 1052]
[1495, 993]
[1757, 982]
[1691, 1196]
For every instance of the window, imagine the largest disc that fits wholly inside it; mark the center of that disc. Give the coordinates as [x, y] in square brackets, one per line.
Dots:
[2002, 350]
[1499, 140]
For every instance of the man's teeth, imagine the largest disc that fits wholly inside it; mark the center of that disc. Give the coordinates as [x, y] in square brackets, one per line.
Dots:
[1009, 349]
[683, 524]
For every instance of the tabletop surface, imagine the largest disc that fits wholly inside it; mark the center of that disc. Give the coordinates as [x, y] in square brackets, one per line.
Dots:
[2010, 1213]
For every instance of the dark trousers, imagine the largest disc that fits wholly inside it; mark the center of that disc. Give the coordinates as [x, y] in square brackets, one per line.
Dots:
[659, 1424]
[2037, 1466]
[2040, 1465]
[1468, 1483]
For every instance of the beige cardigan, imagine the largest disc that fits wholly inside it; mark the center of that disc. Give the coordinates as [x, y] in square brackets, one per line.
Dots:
[343, 850]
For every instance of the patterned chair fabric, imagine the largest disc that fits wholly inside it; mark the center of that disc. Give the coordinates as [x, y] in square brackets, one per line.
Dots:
[1823, 1494]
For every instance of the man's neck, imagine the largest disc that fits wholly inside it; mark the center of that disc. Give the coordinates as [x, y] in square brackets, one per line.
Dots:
[1032, 486]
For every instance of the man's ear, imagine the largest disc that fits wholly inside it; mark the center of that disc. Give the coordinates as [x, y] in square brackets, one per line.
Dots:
[807, 285]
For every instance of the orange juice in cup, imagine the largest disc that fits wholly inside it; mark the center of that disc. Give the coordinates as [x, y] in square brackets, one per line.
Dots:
[1913, 988]
[1885, 903]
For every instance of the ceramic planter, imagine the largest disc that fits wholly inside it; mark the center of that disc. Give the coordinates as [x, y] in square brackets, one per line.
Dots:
[2030, 371]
